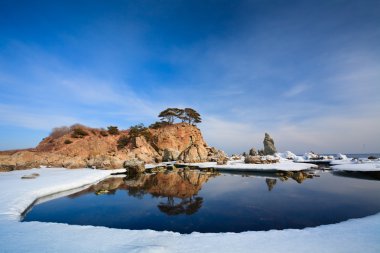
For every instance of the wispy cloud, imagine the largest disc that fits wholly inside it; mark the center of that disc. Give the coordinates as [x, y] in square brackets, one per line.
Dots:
[33, 119]
[296, 90]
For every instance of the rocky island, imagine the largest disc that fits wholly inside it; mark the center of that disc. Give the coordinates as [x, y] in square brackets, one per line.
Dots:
[80, 146]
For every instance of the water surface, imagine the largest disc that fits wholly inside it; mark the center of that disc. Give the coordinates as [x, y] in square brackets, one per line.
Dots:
[194, 201]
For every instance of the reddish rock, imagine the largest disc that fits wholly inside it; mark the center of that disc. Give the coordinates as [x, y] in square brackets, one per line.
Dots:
[183, 142]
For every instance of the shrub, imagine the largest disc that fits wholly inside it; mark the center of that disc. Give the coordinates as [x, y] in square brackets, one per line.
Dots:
[103, 133]
[59, 132]
[67, 142]
[113, 130]
[139, 130]
[134, 132]
[122, 141]
[79, 133]
[159, 124]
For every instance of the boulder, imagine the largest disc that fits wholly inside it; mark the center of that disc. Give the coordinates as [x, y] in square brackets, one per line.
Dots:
[170, 155]
[253, 159]
[214, 154]
[253, 152]
[194, 153]
[222, 160]
[135, 166]
[30, 176]
[260, 159]
[269, 148]
[103, 161]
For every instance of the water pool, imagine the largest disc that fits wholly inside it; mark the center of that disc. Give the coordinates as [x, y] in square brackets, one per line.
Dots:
[188, 201]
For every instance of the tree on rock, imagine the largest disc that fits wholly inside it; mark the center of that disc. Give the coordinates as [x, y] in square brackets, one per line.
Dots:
[192, 116]
[188, 115]
[170, 114]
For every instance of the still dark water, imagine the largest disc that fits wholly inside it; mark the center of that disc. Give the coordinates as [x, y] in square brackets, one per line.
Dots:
[192, 201]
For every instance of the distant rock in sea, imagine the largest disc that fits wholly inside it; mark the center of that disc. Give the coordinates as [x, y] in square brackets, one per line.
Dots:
[269, 148]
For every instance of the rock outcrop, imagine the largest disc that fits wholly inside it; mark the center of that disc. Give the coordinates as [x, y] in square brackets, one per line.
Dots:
[215, 155]
[253, 152]
[269, 148]
[260, 159]
[95, 148]
[134, 166]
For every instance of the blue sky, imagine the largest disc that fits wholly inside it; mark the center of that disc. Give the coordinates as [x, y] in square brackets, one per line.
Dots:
[307, 72]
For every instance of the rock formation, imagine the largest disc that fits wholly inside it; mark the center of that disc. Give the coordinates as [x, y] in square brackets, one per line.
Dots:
[269, 148]
[90, 147]
[260, 159]
[134, 166]
[253, 152]
[215, 155]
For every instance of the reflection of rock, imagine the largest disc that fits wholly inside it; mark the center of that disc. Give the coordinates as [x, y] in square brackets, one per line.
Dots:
[298, 176]
[183, 184]
[186, 206]
[269, 148]
[270, 183]
[107, 186]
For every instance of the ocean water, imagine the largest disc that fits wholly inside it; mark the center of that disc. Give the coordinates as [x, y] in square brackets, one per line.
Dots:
[191, 201]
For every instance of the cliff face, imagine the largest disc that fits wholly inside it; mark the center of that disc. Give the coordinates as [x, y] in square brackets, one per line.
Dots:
[180, 141]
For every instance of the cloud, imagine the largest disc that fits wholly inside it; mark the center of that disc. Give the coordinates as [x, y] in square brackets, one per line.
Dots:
[33, 119]
[296, 90]
[229, 135]
[330, 134]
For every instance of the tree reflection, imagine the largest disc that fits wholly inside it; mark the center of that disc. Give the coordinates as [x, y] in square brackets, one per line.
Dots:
[270, 183]
[186, 206]
[183, 186]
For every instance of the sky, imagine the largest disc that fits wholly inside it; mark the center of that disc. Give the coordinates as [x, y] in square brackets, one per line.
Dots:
[307, 72]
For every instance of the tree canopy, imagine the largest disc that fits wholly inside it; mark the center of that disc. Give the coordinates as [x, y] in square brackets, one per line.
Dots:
[188, 115]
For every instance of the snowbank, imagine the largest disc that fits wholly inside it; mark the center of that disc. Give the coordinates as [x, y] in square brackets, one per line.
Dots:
[358, 235]
[363, 167]
[340, 156]
[287, 155]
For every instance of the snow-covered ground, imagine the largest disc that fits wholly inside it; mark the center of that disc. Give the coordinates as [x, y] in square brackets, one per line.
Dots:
[358, 235]
[239, 165]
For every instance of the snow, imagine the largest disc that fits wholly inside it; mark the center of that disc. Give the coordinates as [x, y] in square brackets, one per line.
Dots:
[239, 165]
[287, 155]
[340, 156]
[357, 235]
[363, 167]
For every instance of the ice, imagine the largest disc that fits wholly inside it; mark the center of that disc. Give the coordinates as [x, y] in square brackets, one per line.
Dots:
[364, 167]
